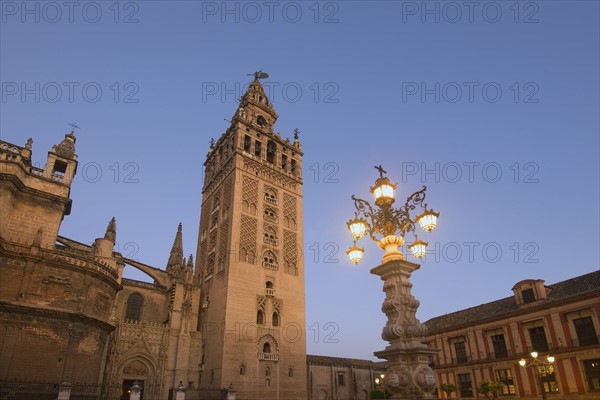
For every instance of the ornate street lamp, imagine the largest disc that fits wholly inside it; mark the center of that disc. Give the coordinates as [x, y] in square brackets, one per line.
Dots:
[408, 375]
[391, 224]
[539, 364]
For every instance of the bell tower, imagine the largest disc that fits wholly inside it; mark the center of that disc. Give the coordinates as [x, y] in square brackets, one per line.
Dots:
[250, 262]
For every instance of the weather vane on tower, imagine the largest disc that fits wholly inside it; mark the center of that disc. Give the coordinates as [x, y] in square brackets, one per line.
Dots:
[259, 75]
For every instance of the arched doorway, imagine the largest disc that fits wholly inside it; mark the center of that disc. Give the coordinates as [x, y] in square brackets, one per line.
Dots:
[134, 372]
[322, 394]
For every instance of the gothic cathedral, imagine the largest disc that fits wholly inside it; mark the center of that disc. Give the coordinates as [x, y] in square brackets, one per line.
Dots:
[235, 319]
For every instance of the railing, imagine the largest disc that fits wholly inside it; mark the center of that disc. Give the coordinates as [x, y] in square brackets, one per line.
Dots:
[268, 356]
[58, 177]
[270, 292]
[269, 265]
[36, 171]
[270, 241]
[585, 341]
[270, 200]
[271, 218]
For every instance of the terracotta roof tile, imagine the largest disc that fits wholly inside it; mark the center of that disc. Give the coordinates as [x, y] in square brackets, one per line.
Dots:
[571, 288]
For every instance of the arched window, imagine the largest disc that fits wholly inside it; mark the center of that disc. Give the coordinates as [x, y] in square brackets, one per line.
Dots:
[266, 347]
[260, 120]
[135, 302]
[275, 319]
[242, 369]
[260, 318]
[290, 372]
[271, 151]
[269, 285]
[268, 371]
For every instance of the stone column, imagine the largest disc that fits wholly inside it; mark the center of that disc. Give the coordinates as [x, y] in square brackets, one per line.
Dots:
[408, 376]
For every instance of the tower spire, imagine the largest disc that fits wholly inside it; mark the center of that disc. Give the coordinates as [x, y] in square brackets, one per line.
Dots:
[176, 255]
[111, 231]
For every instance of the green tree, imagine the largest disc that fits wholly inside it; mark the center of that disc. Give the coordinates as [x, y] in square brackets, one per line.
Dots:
[489, 388]
[447, 388]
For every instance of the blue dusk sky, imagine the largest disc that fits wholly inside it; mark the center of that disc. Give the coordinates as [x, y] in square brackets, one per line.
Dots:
[491, 104]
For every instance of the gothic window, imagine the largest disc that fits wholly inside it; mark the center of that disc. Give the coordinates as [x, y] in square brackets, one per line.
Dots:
[135, 301]
[268, 383]
[275, 319]
[586, 333]
[269, 290]
[270, 196]
[266, 347]
[268, 371]
[251, 257]
[242, 369]
[270, 236]
[290, 372]
[283, 161]
[257, 148]
[271, 151]
[538, 339]
[260, 319]
[247, 143]
[293, 167]
[270, 215]
[269, 260]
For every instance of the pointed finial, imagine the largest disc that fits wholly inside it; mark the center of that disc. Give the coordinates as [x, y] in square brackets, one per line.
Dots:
[111, 231]
[212, 143]
[176, 255]
[29, 143]
[190, 262]
[296, 131]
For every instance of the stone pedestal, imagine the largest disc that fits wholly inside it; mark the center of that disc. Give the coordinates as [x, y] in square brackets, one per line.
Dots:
[408, 376]
[64, 391]
[135, 392]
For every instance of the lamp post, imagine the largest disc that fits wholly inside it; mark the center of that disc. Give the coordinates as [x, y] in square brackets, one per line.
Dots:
[408, 375]
[536, 363]
[379, 381]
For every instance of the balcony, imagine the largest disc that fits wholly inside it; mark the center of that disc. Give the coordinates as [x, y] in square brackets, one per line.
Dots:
[270, 241]
[269, 265]
[585, 341]
[270, 292]
[268, 357]
[270, 217]
[271, 200]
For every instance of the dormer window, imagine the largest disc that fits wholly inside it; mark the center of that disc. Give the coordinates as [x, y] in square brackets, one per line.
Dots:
[528, 296]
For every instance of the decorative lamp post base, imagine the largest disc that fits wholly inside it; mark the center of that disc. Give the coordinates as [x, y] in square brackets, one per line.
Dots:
[409, 375]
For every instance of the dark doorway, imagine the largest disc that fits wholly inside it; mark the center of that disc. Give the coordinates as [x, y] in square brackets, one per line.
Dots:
[127, 384]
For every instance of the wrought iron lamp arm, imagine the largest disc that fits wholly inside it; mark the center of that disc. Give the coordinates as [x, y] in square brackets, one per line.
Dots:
[365, 209]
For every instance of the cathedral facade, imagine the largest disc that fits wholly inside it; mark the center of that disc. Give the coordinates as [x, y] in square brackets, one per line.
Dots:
[233, 319]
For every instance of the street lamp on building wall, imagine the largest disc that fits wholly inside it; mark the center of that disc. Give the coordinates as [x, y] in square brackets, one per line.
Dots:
[538, 365]
[408, 374]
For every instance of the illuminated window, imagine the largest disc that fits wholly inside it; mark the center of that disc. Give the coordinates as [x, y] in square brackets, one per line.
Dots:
[592, 373]
[505, 376]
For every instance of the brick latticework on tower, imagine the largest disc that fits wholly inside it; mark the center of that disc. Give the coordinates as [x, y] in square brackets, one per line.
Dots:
[250, 268]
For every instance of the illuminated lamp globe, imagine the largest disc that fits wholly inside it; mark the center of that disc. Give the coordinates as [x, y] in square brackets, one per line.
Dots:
[428, 220]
